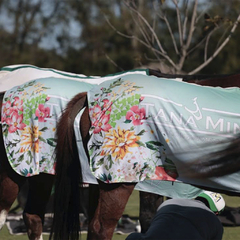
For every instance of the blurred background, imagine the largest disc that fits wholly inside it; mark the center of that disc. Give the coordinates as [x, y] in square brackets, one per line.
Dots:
[99, 37]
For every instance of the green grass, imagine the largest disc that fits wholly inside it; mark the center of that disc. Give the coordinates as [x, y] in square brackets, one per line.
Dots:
[132, 208]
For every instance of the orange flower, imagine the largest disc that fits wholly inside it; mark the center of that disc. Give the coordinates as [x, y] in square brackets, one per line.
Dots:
[118, 142]
[30, 139]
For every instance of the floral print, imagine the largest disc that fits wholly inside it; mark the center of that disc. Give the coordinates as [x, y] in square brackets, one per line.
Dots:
[29, 128]
[119, 142]
[136, 115]
[123, 146]
[42, 113]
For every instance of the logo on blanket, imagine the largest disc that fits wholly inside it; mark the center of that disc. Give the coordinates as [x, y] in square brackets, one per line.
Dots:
[198, 119]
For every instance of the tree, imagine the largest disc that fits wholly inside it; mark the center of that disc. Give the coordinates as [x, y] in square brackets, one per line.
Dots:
[98, 37]
[24, 26]
[175, 31]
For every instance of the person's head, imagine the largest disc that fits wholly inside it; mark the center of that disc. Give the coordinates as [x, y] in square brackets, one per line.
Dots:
[212, 200]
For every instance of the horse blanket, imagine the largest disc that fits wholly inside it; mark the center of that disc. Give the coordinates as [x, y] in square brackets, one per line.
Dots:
[146, 128]
[29, 116]
[31, 110]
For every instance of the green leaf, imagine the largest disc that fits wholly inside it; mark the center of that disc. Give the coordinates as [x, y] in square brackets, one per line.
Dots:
[30, 156]
[24, 172]
[128, 121]
[119, 115]
[141, 144]
[28, 162]
[153, 145]
[124, 101]
[110, 161]
[20, 89]
[100, 162]
[103, 177]
[94, 169]
[141, 133]
[109, 177]
[52, 142]
[41, 139]
[134, 165]
[137, 96]
[21, 158]
[11, 154]
[124, 112]
[43, 129]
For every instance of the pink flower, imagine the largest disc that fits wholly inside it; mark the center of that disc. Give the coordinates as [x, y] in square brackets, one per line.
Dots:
[95, 112]
[136, 115]
[15, 122]
[6, 110]
[161, 174]
[102, 124]
[18, 104]
[42, 113]
[107, 105]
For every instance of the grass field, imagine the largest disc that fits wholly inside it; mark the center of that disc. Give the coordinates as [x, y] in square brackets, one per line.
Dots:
[230, 233]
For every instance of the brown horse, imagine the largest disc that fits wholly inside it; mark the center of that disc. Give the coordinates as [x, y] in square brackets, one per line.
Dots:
[11, 182]
[38, 196]
[110, 199]
[40, 185]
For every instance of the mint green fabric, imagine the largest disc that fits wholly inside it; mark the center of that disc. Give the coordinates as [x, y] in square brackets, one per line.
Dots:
[33, 103]
[145, 127]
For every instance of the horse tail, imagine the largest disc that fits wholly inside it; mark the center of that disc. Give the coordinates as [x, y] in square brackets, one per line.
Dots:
[66, 223]
[218, 163]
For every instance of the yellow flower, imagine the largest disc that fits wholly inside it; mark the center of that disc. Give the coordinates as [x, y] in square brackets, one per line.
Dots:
[30, 138]
[24, 95]
[38, 85]
[118, 142]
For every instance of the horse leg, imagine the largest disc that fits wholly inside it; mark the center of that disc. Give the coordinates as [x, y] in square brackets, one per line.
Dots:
[8, 193]
[40, 188]
[93, 200]
[111, 204]
[10, 183]
[149, 203]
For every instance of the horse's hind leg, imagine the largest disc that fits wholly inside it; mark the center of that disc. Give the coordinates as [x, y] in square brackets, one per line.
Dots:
[40, 187]
[10, 183]
[111, 204]
[149, 202]
[8, 193]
